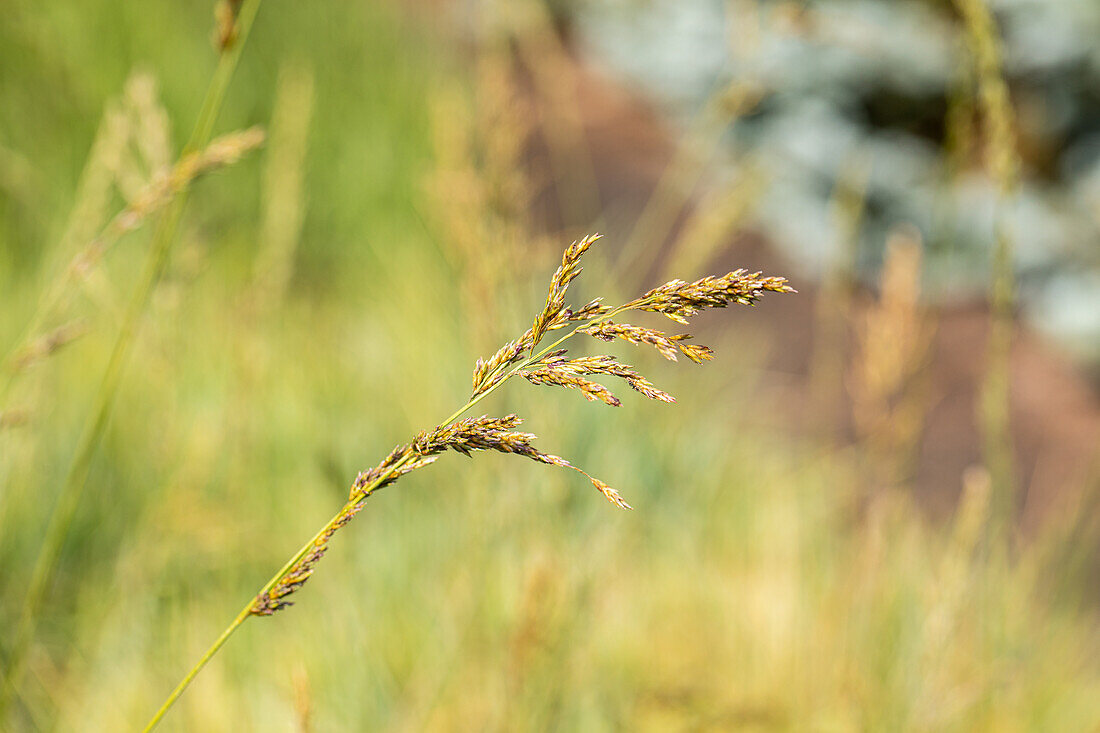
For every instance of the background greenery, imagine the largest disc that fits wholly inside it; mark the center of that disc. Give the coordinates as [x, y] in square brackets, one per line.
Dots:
[742, 593]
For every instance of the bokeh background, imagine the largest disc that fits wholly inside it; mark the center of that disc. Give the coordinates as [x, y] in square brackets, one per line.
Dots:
[823, 535]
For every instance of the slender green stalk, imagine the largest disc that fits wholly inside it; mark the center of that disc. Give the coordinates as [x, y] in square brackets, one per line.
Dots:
[353, 502]
[994, 409]
[998, 122]
[241, 617]
[676, 299]
[90, 438]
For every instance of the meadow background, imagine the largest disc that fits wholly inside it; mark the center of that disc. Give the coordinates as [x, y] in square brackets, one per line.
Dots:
[423, 167]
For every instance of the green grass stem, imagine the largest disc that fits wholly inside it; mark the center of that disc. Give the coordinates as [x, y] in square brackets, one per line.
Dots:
[76, 479]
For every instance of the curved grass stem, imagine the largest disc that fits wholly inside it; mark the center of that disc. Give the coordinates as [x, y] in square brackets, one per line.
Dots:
[246, 612]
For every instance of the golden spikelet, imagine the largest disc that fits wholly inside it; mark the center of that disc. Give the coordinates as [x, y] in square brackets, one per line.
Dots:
[570, 373]
[680, 300]
[592, 391]
[559, 283]
[479, 434]
[646, 388]
[592, 309]
[487, 372]
[666, 345]
[612, 496]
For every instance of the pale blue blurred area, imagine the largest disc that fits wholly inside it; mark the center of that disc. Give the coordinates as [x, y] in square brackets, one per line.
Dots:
[832, 72]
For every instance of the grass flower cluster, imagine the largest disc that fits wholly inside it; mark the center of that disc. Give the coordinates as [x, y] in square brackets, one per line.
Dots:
[677, 300]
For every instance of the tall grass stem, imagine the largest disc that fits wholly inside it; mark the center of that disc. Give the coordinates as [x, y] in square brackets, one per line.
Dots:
[356, 499]
[1002, 158]
[76, 479]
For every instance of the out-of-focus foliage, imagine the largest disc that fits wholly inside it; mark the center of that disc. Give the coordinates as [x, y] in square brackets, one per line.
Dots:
[889, 79]
[759, 584]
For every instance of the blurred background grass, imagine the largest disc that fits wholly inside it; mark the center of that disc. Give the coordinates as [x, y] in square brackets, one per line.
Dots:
[327, 299]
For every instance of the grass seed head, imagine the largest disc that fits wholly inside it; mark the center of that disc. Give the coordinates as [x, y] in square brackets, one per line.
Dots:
[592, 391]
[680, 300]
[571, 373]
[488, 373]
[676, 299]
[613, 496]
[566, 273]
[667, 345]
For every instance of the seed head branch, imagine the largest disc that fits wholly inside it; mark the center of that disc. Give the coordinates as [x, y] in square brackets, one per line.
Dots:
[559, 283]
[549, 366]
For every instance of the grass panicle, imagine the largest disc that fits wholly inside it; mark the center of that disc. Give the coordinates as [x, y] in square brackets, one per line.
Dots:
[517, 358]
[893, 544]
[887, 385]
[283, 185]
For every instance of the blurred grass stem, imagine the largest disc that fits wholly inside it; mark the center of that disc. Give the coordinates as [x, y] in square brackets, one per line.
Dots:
[998, 120]
[163, 239]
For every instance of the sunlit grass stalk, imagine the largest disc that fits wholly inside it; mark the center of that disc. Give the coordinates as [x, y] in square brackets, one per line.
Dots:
[676, 299]
[91, 201]
[998, 122]
[284, 184]
[994, 410]
[331, 526]
[76, 479]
